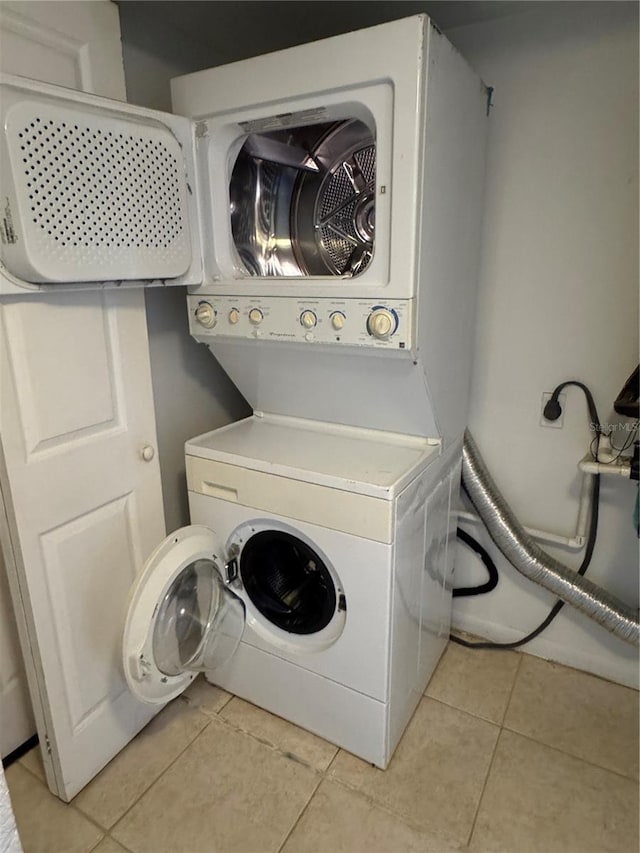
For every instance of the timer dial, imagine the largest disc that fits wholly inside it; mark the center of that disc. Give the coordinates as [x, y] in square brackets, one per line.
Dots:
[382, 323]
[206, 315]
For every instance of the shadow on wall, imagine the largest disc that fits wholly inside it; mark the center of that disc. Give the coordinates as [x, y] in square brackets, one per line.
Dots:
[231, 31]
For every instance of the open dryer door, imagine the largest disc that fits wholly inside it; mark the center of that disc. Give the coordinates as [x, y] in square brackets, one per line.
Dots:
[94, 192]
[182, 618]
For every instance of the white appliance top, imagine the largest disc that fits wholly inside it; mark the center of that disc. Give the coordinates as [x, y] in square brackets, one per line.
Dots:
[367, 462]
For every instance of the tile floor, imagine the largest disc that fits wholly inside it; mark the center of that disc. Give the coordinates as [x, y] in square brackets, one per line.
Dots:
[505, 752]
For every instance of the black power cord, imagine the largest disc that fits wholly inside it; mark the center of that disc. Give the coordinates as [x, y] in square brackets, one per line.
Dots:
[552, 412]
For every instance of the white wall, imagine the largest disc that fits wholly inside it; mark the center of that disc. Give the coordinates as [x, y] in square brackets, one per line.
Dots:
[558, 298]
[192, 393]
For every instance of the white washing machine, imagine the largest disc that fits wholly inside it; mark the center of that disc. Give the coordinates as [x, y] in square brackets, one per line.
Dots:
[314, 581]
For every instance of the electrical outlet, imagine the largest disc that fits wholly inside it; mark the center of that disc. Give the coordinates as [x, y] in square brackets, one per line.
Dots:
[562, 399]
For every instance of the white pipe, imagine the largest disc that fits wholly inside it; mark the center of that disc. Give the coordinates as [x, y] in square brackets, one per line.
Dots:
[575, 542]
[584, 509]
[589, 467]
[622, 468]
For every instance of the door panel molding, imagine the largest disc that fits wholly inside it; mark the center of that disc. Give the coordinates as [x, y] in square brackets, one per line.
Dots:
[42, 383]
[73, 50]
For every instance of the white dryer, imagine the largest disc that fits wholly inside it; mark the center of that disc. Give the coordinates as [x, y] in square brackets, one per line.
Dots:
[314, 581]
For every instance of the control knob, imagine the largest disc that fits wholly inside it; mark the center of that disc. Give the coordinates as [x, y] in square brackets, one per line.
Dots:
[337, 320]
[255, 316]
[206, 315]
[382, 323]
[234, 316]
[308, 319]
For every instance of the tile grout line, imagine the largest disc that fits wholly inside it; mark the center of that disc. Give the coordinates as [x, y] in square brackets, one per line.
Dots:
[506, 727]
[274, 747]
[290, 756]
[461, 711]
[106, 831]
[110, 829]
[327, 772]
[513, 688]
[70, 805]
[571, 755]
[391, 812]
[333, 760]
[216, 715]
[495, 749]
[325, 775]
[119, 843]
[35, 776]
[97, 844]
[302, 813]
[230, 698]
[86, 817]
[111, 838]
[398, 815]
[484, 788]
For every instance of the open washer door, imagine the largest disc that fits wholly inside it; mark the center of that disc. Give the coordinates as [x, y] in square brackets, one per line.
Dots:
[182, 618]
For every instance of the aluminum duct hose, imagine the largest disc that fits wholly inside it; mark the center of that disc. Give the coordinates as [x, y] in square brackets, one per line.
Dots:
[531, 561]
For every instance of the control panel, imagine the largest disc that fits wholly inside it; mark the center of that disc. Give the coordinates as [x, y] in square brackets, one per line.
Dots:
[352, 322]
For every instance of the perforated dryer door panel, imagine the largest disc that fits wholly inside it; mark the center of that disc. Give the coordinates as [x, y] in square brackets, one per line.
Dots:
[91, 195]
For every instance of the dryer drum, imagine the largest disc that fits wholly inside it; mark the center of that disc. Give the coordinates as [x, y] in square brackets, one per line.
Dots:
[288, 582]
[303, 200]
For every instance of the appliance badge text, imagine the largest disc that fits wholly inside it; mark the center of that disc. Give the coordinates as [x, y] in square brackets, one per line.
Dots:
[7, 231]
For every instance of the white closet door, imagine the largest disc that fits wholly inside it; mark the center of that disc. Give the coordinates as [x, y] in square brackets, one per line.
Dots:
[81, 507]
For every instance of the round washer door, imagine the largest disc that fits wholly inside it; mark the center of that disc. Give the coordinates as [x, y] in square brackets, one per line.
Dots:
[181, 618]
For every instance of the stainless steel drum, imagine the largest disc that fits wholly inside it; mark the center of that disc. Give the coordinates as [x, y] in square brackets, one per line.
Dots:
[303, 200]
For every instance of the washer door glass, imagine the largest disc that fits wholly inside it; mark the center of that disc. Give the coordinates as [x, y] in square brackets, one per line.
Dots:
[198, 624]
[288, 582]
[181, 618]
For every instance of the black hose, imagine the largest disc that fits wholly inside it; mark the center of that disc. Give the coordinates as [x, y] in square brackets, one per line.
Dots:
[591, 538]
[492, 583]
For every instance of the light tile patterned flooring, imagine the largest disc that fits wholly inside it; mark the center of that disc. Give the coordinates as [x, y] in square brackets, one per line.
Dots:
[505, 752]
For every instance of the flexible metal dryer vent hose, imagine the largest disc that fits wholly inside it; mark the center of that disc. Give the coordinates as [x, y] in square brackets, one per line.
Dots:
[531, 561]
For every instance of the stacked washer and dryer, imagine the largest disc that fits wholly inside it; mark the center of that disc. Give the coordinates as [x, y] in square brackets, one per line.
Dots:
[326, 210]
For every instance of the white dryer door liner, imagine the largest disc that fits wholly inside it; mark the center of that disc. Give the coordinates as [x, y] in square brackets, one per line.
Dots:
[93, 190]
[181, 619]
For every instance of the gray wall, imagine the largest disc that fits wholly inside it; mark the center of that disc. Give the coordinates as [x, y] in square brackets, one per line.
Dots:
[191, 391]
